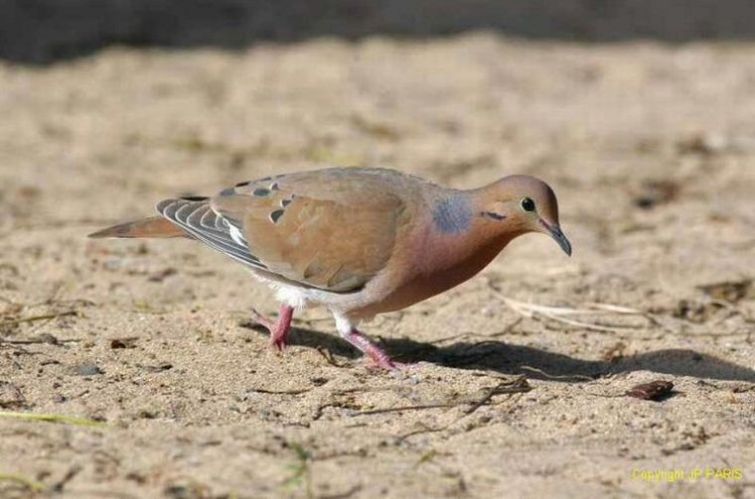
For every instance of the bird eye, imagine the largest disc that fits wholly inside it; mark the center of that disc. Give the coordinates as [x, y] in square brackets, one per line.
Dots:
[528, 204]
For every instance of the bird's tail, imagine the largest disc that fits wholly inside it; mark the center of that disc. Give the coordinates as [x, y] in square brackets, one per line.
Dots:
[146, 227]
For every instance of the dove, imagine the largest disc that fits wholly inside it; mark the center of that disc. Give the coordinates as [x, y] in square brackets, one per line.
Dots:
[357, 241]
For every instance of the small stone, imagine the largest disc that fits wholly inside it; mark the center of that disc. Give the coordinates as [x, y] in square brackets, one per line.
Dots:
[116, 343]
[87, 369]
[11, 396]
[655, 390]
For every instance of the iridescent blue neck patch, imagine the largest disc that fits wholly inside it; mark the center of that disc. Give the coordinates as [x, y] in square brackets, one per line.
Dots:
[453, 215]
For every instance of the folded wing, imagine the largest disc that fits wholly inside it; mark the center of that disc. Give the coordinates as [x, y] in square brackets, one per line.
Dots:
[333, 230]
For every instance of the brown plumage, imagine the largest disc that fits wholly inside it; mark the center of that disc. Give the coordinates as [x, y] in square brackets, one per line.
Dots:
[360, 241]
[146, 227]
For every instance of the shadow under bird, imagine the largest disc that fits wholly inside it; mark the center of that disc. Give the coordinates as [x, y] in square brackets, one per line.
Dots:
[358, 241]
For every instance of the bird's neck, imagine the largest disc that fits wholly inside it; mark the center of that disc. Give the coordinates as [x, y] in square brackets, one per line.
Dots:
[459, 236]
[474, 249]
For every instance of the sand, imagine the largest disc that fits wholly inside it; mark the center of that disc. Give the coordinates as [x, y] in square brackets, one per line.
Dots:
[650, 147]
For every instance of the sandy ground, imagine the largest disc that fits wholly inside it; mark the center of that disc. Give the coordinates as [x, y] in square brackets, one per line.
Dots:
[651, 149]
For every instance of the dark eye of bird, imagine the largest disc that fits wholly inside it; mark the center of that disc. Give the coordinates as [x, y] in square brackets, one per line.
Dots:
[528, 204]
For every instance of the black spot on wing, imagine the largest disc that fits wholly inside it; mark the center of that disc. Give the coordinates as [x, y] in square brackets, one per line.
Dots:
[199, 220]
[274, 216]
[261, 192]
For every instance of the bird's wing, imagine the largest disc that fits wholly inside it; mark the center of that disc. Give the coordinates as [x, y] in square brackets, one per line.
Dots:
[329, 229]
[198, 219]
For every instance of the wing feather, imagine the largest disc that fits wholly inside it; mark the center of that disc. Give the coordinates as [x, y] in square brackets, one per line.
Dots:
[332, 229]
[198, 219]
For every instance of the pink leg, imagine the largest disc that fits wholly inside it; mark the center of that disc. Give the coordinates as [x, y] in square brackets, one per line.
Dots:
[376, 354]
[278, 330]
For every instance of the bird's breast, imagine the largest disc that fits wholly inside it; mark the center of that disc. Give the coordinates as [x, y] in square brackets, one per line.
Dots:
[434, 270]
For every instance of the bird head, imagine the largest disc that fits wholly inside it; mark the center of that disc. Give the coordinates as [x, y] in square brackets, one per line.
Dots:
[520, 204]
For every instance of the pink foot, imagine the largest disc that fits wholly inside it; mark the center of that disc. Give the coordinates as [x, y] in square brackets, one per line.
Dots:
[278, 330]
[376, 356]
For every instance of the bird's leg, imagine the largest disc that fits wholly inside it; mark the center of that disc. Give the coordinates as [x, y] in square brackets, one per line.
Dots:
[376, 354]
[279, 329]
[260, 319]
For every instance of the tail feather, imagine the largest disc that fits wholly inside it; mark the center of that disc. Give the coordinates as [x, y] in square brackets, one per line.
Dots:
[146, 227]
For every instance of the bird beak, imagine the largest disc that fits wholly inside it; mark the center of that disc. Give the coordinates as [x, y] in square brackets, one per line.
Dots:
[558, 236]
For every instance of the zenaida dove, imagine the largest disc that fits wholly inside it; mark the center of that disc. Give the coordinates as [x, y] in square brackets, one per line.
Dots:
[358, 241]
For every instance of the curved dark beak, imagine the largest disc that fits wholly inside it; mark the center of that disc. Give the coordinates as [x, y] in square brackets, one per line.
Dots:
[558, 236]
